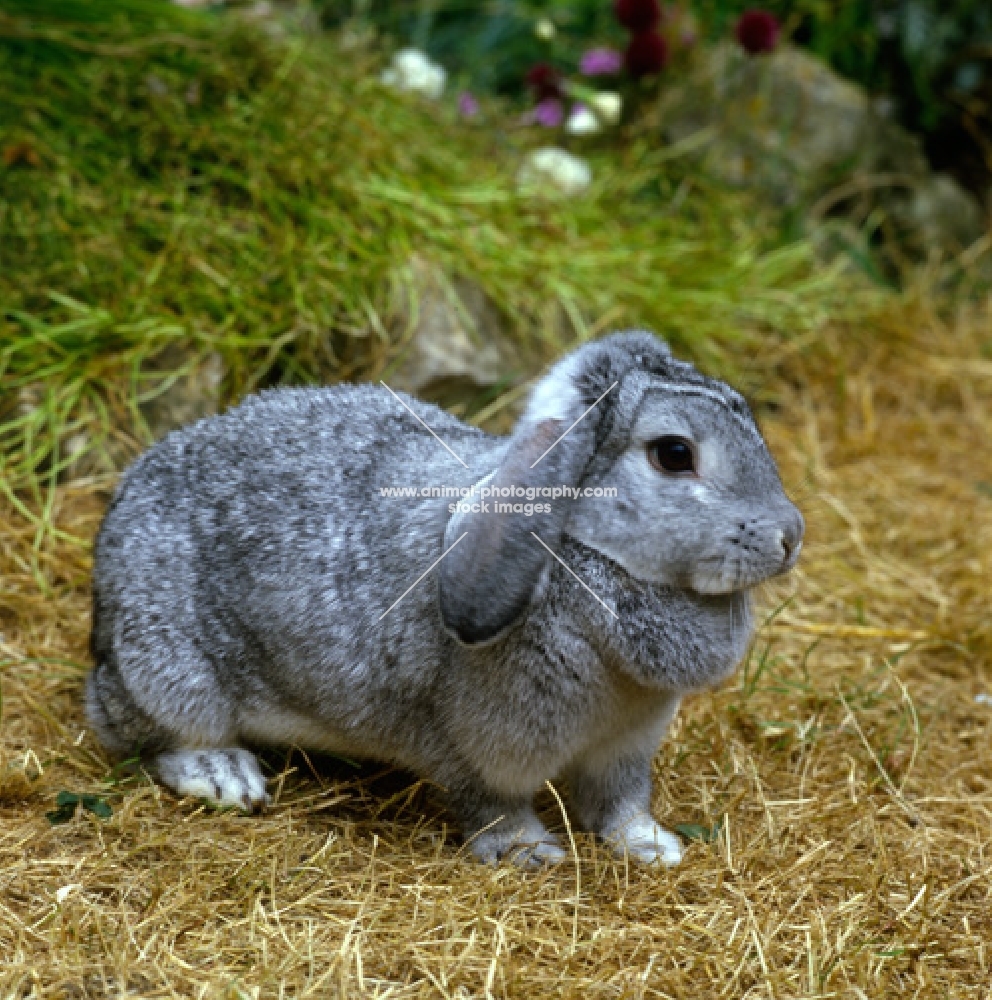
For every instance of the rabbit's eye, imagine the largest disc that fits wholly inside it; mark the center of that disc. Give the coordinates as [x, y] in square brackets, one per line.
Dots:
[672, 454]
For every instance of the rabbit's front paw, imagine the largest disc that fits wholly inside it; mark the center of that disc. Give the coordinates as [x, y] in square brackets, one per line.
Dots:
[647, 841]
[229, 777]
[545, 852]
[522, 839]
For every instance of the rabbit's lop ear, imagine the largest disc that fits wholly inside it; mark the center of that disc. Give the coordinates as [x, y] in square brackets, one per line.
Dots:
[488, 578]
[498, 544]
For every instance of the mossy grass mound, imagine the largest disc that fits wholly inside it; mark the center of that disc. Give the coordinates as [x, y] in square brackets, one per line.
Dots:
[178, 176]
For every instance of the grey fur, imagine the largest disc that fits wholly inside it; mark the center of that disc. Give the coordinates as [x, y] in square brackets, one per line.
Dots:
[246, 568]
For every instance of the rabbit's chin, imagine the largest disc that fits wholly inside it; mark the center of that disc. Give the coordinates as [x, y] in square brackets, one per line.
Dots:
[723, 583]
[711, 587]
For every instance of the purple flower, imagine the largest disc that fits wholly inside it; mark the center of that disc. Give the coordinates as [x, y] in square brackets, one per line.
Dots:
[646, 54]
[545, 81]
[548, 113]
[638, 15]
[468, 106]
[600, 62]
[758, 31]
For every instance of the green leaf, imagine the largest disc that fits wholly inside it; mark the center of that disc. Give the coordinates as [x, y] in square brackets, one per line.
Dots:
[63, 815]
[99, 807]
[696, 831]
[67, 802]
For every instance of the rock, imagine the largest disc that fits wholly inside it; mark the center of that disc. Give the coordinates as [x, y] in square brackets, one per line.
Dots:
[942, 212]
[193, 393]
[789, 127]
[779, 123]
[451, 337]
[182, 385]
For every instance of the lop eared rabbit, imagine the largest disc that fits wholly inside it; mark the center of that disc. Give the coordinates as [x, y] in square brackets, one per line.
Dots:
[253, 585]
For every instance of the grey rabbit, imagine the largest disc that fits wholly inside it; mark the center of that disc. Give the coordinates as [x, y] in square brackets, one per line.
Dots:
[255, 584]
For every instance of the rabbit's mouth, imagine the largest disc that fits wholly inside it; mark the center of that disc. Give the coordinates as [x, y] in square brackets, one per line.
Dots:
[729, 574]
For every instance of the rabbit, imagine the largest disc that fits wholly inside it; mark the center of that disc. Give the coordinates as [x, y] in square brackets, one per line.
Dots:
[254, 585]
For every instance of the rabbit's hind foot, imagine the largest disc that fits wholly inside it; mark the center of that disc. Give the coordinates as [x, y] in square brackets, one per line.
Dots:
[224, 777]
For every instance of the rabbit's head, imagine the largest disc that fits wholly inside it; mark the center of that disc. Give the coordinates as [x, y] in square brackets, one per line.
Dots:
[675, 484]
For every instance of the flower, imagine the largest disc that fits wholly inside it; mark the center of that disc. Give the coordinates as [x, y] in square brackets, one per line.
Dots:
[638, 15]
[552, 171]
[548, 113]
[607, 105]
[581, 121]
[545, 81]
[413, 71]
[545, 29]
[757, 31]
[646, 54]
[600, 62]
[468, 105]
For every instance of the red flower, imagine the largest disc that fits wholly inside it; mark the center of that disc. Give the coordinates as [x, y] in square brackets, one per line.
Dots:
[758, 31]
[638, 15]
[545, 82]
[646, 54]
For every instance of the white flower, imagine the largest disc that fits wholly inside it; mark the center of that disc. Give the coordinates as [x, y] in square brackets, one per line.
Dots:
[545, 29]
[607, 105]
[581, 121]
[554, 171]
[415, 72]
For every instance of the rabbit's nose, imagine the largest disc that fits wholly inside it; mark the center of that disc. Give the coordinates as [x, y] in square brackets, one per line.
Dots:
[791, 537]
[789, 545]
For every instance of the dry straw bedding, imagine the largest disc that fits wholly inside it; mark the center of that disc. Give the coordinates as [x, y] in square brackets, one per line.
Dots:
[849, 767]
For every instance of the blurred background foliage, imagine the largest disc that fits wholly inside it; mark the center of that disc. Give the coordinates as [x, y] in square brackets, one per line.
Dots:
[929, 61]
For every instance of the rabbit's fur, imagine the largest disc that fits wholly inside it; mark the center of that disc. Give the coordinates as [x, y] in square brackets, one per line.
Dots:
[248, 577]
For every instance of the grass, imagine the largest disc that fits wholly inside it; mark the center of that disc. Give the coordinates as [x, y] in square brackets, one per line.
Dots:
[264, 199]
[836, 793]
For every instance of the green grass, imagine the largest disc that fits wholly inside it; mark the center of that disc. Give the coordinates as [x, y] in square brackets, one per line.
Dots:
[171, 175]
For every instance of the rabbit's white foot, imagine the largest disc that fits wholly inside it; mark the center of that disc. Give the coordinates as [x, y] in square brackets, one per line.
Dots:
[644, 839]
[544, 852]
[229, 777]
[524, 840]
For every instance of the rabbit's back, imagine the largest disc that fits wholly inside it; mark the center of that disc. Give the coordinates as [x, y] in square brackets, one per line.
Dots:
[264, 545]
